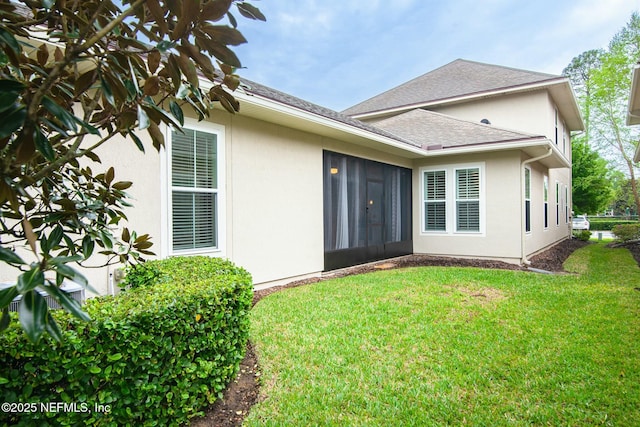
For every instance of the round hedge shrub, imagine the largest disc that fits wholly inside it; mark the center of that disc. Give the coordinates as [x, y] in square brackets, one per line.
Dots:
[154, 355]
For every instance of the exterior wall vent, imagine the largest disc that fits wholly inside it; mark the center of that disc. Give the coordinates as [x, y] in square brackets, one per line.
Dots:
[74, 290]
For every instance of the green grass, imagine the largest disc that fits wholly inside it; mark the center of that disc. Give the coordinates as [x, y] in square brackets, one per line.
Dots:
[455, 346]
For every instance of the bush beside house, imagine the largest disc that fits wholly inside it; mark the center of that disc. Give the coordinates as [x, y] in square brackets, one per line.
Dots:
[627, 232]
[154, 355]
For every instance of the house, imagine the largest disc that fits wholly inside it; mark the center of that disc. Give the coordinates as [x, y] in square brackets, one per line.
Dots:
[633, 116]
[468, 160]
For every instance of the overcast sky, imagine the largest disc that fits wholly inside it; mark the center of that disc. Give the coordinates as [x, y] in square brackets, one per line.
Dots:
[337, 53]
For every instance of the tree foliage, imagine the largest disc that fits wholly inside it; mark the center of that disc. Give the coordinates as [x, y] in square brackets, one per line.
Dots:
[74, 75]
[592, 190]
[602, 80]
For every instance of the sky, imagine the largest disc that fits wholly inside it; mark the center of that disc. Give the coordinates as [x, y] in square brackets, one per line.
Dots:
[337, 53]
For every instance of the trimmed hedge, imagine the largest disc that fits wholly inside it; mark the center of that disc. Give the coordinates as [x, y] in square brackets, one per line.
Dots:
[154, 355]
[606, 224]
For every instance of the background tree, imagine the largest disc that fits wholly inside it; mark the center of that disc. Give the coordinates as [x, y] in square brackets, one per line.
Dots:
[580, 72]
[623, 202]
[73, 76]
[605, 98]
[592, 188]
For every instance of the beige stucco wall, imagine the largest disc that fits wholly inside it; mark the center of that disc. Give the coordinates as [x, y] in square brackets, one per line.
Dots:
[500, 238]
[541, 237]
[272, 197]
[275, 197]
[532, 112]
[504, 204]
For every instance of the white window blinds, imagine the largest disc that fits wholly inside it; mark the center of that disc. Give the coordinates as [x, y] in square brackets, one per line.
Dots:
[435, 200]
[194, 190]
[468, 199]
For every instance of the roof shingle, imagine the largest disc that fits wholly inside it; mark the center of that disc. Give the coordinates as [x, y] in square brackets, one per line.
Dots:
[438, 130]
[458, 78]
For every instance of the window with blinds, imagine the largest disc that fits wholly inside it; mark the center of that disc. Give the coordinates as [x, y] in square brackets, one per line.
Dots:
[527, 199]
[194, 190]
[545, 198]
[468, 199]
[435, 200]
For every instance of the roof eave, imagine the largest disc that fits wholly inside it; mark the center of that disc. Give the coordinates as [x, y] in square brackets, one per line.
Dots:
[532, 147]
[560, 89]
[262, 108]
[633, 114]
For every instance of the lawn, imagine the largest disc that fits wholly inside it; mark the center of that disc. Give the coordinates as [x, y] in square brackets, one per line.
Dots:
[455, 346]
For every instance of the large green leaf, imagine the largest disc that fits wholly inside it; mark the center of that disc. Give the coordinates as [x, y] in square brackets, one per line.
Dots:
[4, 321]
[12, 120]
[74, 276]
[7, 100]
[68, 303]
[43, 145]
[176, 111]
[143, 118]
[33, 312]
[7, 295]
[10, 40]
[9, 256]
[7, 85]
[66, 118]
[28, 280]
[87, 246]
[53, 329]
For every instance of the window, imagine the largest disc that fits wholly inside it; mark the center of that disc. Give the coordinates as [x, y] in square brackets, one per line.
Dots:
[545, 198]
[557, 203]
[194, 190]
[527, 199]
[435, 195]
[468, 199]
[556, 125]
[453, 199]
[566, 204]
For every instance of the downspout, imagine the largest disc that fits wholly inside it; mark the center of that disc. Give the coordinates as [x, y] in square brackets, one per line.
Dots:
[523, 231]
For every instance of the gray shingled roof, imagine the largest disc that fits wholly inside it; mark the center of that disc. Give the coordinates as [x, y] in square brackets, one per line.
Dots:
[434, 129]
[458, 78]
[281, 97]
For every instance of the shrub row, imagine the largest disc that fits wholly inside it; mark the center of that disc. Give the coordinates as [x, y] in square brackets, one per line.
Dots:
[606, 224]
[627, 232]
[155, 355]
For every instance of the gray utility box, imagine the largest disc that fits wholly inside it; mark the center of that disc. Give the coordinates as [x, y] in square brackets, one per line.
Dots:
[74, 290]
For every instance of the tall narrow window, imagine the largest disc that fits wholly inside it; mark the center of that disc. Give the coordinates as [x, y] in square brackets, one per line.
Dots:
[545, 198]
[194, 190]
[527, 199]
[557, 203]
[566, 204]
[468, 199]
[435, 200]
[556, 125]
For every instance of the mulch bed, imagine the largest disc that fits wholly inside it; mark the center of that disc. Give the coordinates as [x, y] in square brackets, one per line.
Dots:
[242, 393]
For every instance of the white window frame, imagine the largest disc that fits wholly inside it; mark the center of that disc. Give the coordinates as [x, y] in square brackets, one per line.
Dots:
[556, 125]
[566, 204]
[557, 204]
[166, 180]
[450, 205]
[545, 202]
[426, 201]
[527, 197]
